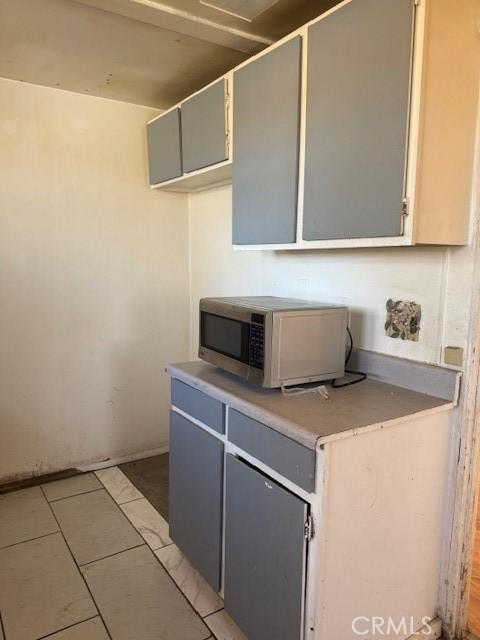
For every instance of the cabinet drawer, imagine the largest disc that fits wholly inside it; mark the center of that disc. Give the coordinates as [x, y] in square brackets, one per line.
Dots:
[198, 405]
[289, 458]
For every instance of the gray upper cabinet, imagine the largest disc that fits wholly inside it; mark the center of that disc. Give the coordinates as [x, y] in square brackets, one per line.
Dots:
[338, 132]
[265, 554]
[196, 494]
[164, 147]
[266, 112]
[359, 60]
[204, 128]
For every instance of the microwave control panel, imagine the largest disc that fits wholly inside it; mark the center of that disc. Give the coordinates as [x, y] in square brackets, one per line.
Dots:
[257, 333]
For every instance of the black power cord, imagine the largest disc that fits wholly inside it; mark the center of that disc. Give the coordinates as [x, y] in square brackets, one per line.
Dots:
[362, 375]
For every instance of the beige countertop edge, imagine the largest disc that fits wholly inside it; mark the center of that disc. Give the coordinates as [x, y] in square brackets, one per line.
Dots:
[290, 429]
[351, 433]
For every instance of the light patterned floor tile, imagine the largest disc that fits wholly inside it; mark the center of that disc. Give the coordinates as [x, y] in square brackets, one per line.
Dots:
[118, 485]
[223, 627]
[201, 595]
[41, 590]
[138, 600]
[94, 526]
[24, 515]
[148, 522]
[151, 476]
[93, 629]
[71, 486]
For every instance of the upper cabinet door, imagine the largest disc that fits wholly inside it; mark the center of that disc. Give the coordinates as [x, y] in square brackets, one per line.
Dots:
[204, 128]
[358, 80]
[164, 147]
[266, 110]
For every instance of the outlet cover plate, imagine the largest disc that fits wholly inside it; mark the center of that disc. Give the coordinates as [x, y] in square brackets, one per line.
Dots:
[453, 356]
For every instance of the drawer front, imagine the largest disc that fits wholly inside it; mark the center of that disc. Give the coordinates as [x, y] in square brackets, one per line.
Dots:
[198, 405]
[289, 458]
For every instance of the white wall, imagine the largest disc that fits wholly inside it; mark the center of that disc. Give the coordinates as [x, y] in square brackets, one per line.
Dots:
[95, 274]
[437, 278]
[93, 282]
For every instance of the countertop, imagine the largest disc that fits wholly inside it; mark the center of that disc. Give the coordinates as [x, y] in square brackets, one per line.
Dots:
[310, 419]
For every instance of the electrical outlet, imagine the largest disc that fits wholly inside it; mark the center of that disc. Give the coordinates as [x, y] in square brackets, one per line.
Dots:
[453, 356]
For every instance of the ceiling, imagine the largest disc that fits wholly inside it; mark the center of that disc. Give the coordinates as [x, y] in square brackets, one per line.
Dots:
[147, 52]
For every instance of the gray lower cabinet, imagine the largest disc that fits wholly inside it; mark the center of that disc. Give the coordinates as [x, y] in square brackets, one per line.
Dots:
[289, 458]
[196, 496]
[204, 128]
[266, 114]
[358, 79]
[265, 553]
[164, 147]
[199, 405]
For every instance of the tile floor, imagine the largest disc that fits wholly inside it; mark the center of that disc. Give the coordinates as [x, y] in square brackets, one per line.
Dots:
[150, 476]
[89, 558]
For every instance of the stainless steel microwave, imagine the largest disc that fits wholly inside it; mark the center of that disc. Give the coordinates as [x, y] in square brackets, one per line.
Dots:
[273, 341]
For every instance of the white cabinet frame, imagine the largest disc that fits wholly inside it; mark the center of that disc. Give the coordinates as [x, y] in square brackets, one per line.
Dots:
[319, 620]
[440, 141]
[427, 218]
[213, 175]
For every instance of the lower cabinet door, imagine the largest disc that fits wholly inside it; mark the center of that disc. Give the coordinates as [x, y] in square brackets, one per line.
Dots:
[265, 555]
[196, 496]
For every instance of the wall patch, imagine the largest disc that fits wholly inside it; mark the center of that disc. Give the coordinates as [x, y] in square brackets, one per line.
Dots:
[403, 319]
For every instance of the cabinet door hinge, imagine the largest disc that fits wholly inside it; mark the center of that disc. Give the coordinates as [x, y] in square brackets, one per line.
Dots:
[309, 532]
[227, 141]
[405, 212]
[227, 132]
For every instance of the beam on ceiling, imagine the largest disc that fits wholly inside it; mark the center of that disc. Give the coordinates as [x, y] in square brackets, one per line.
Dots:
[168, 17]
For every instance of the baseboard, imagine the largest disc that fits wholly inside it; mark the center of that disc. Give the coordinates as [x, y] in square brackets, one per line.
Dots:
[113, 462]
[34, 481]
[432, 631]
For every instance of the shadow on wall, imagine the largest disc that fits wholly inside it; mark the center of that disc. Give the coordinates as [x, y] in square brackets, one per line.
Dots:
[76, 392]
[358, 320]
[139, 399]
